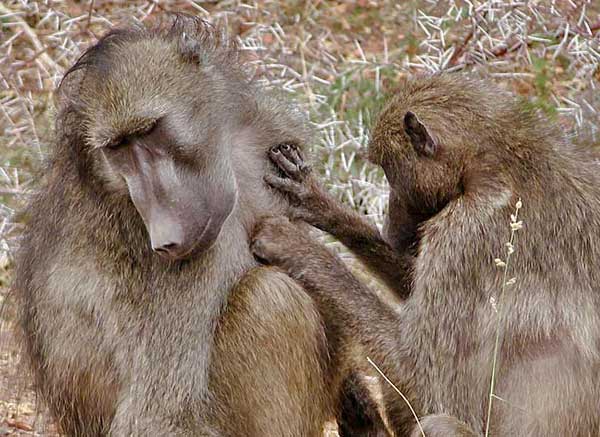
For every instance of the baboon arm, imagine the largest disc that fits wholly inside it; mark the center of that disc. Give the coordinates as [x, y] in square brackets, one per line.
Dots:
[347, 306]
[271, 334]
[365, 241]
[314, 205]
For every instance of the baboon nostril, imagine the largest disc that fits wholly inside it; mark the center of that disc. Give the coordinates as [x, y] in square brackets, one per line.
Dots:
[166, 248]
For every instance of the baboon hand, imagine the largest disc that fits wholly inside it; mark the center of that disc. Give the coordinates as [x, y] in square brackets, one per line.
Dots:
[272, 240]
[289, 159]
[309, 201]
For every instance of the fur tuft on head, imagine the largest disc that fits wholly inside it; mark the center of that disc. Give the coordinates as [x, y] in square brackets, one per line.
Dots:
[196, 40]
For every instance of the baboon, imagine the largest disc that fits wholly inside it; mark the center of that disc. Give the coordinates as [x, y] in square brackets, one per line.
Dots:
[143, 311]
[459, 153]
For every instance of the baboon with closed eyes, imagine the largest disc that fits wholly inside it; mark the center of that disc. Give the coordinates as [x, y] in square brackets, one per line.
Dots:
[143, 310]
[458, 154]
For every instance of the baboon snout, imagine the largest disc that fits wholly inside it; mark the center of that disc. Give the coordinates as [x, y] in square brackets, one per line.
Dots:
[184, 232]
[167, 239]
[180, 238]
[168, 249]
[183, 206]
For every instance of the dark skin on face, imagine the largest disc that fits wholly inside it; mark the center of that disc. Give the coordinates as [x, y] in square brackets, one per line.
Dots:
[181, 220]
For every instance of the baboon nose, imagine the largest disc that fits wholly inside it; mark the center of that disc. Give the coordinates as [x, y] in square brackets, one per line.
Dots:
[167, 238]
[170, 249]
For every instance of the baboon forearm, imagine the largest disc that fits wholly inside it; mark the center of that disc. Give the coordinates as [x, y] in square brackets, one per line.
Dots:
[348, 307]
[357, 316]
[365, 241]
[358, 324]
[314, 205]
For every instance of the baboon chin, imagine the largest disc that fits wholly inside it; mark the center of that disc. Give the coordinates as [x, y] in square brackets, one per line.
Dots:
[143, 311]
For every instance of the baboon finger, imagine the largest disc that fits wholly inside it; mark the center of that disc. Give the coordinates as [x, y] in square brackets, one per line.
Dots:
[285, 185]
[298, 213]
[282, 161]
[259, 251]
[294, 155]
[269, 241]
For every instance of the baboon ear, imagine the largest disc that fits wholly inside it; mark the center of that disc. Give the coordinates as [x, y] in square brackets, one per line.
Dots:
[420, 138]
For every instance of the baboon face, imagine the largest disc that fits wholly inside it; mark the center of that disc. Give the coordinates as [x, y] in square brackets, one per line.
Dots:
[164, 143]
[173, 184]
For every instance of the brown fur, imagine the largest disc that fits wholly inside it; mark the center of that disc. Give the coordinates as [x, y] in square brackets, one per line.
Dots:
[124, 342]
[449, 218]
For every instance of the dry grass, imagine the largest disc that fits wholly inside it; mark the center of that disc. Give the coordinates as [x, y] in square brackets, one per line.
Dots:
[337, 58]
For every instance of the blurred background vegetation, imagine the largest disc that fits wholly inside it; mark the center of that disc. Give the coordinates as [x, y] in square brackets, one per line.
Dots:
[337, 59]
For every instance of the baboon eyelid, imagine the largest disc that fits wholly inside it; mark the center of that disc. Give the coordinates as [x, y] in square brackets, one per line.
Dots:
[117, 142]
[144, 129]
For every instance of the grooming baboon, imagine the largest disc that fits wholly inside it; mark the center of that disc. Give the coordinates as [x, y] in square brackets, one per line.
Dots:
[143, 310]
[458, 154]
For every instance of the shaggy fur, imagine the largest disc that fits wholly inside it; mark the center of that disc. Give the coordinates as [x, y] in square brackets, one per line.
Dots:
[449, 218]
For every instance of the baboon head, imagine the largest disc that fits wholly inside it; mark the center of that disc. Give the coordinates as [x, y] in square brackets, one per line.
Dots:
[417, 140]
[161, 110]
[445, 136]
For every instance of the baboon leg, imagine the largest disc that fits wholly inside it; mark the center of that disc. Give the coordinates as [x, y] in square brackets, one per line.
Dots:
[136, 418]
[359, 415]
[441, 425]
[271, 368]
[80, 412]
